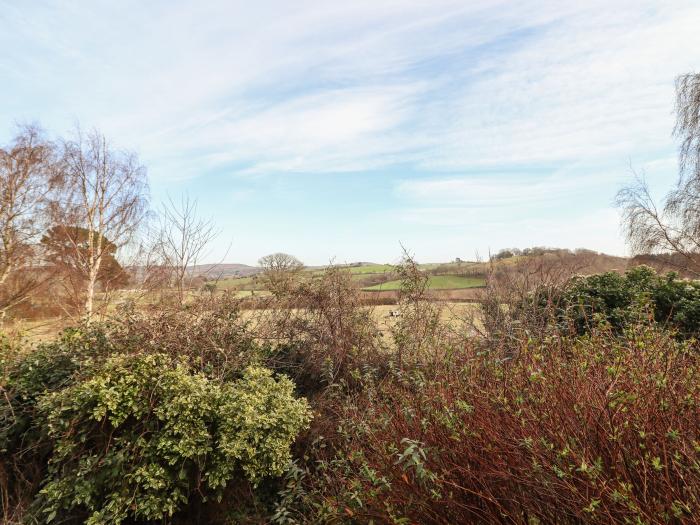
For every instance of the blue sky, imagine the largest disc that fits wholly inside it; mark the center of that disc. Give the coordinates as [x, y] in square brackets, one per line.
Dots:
[337, 130]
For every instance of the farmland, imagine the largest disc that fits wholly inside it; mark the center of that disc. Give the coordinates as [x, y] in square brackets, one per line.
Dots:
[374, 277]
[435, 282]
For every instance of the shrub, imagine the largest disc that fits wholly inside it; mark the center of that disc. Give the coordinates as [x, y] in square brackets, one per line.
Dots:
[320, 330]
[208, 332]
[144, 434]
[24, 444]
[603, 429]
[623, 299]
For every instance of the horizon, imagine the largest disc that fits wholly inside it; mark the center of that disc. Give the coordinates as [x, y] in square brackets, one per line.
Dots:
[342, 132]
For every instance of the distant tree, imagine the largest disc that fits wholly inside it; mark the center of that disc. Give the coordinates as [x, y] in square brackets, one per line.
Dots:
[106, 195]
[181, 240]
[27, 178]
[504, 254]
[67, 249]
[209, 287]
[673, 226]
[279, 270]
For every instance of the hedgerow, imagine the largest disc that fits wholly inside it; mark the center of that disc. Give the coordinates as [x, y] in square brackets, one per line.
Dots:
[602, 429]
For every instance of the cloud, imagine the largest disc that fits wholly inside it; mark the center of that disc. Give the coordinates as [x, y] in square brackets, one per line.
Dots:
[328, 86]
[595, 85]
[466, 231]
[499, 190]
[456, 113]
[339, 128]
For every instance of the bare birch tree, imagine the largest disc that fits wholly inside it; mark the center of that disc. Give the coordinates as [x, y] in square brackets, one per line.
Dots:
[106, 196]
[674, 225]
[182, 239]
[26, 180]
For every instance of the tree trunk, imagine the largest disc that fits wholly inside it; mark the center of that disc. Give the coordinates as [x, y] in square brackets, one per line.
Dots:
[90, 293]
[4, 274]
[90, 289]
[7, 263]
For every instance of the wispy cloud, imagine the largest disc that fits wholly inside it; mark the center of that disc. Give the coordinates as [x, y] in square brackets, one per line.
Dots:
[325, 86]
[496, 190]
[596, 84]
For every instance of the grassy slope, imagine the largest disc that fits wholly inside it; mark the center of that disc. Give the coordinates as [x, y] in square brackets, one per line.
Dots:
[234, 282]
[436, 282]
[371, 268]
[367, 272]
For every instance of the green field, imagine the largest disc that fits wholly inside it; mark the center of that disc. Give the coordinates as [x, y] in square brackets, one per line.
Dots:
[371, 268]
[368, 274]
[234, 282]
[384, 268]
[435, 282]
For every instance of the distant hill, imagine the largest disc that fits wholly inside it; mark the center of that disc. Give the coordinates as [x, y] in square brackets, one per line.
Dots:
[222, 271]
[584, 261]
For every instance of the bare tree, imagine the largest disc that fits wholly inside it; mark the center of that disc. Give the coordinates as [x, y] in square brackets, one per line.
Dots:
[688, 124]
[26, 180]
[674, 225]
[279, 271]
[181, 241]
[653, 229]
[106, 197]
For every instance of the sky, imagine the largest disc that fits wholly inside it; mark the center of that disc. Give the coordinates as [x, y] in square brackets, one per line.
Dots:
[341, 130]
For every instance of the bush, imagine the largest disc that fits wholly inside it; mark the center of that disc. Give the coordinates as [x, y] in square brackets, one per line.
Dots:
[603, 429]
[144, 434]
[626, 299]
[320, 330]
[24, 444]
[209, 333]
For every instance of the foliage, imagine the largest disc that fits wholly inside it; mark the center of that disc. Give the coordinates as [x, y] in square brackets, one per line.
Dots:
[584, 410]
[418, 329]
[48, 368]
[70, 251]
[623, 299]
[600, 429]
[67, 248]
[27, 376]
[320, 330]
[144, 434]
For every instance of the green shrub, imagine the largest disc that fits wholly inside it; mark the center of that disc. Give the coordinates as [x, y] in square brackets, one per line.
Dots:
[28, 374]
[47, 368]
[143, 434]
[640, 294]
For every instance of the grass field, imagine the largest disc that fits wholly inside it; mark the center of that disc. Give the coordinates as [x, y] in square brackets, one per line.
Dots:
[435, 282]
[371, 268]
[238, 283]
[384, 268]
